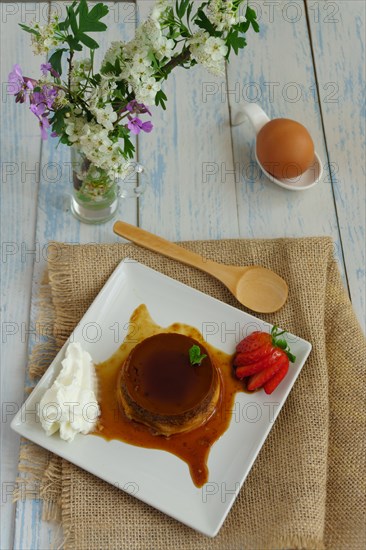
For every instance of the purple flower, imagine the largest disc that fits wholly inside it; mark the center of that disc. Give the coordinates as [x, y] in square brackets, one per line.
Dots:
[47, 67]
[20, 85]
[41, 102]
[135, 125]
[44, 124]
[38, 108]
[135, 107]
[15, 80]
[49, 95]
[30, 83]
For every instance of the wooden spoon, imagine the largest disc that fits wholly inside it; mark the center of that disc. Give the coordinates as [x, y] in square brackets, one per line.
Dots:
[257, 288]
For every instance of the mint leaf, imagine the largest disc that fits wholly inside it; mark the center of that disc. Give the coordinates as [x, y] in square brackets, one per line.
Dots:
[195, 356]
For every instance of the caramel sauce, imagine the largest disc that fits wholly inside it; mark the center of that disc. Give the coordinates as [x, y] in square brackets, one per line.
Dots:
[194, 446]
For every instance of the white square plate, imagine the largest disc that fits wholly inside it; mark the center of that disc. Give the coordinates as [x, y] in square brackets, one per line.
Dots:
[158, 477]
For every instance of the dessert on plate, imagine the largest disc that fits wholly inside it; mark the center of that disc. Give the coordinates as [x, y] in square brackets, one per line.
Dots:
[160, 387]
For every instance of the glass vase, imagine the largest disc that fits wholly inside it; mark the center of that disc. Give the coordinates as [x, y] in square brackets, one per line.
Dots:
[95, 193]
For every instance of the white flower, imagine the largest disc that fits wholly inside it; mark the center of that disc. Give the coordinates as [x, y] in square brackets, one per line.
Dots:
[159, 8]
[45, 39]
[211, 55]
[146, 90]
[106, 116]
[115, 51]
[165, 48]
[141, 59]
[223, 14]
[60, 100]
[215, 48]
[150, 85]
[75, 128]
[149, 32]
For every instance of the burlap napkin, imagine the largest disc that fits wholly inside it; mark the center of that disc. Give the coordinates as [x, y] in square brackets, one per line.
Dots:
[307, 487]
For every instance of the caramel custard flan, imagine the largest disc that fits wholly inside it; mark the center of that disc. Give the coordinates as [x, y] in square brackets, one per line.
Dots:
[159, 387]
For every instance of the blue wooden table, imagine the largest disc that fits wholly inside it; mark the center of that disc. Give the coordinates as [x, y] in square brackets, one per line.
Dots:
[307, 63]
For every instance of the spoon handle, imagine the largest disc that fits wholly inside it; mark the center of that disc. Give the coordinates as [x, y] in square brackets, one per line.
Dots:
[256, 115]
[164, 247]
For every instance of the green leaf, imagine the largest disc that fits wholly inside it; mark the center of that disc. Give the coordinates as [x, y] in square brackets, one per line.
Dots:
[96, 79]
[55, 60]
[108, 68]
[160, 99]
[58, 120]
[73, 43]
[235, 41]
[251, 16]
[181, 7]
[63, 25]
[99, 11]
[89, 42]
[90, 22]
[29, 29]
[92, 26]
[281, 343]
[195, 356]
[83, 10]
[189, 11]
[73, 22]
[128, 148]
[204, 23]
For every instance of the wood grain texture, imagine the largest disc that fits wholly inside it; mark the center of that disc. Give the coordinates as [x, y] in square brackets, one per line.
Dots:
[55, 222]
[338, 33]
[190, 139]
[276, 72]
[20, 156]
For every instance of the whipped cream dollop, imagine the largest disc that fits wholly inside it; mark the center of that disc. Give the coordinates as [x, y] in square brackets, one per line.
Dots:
[70, 404]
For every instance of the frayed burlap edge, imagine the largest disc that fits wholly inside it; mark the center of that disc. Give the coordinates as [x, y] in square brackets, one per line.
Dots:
[39, 470]
[67, 520]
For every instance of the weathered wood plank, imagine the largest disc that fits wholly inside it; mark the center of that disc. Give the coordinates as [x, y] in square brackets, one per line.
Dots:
[55, 222]
[190, 139]
[276, 71]
[338, 33]
[20, 156]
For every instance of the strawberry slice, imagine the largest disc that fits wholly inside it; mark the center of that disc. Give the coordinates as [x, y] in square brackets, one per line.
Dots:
[258, 380]
[253, 368]
[273, 382]
[253, 342]
[249, 357]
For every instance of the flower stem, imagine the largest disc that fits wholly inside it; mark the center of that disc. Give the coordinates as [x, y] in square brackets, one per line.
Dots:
[184, 56]
[69, 59]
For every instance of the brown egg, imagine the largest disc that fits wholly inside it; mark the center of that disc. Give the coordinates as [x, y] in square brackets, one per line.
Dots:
[285, 148]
